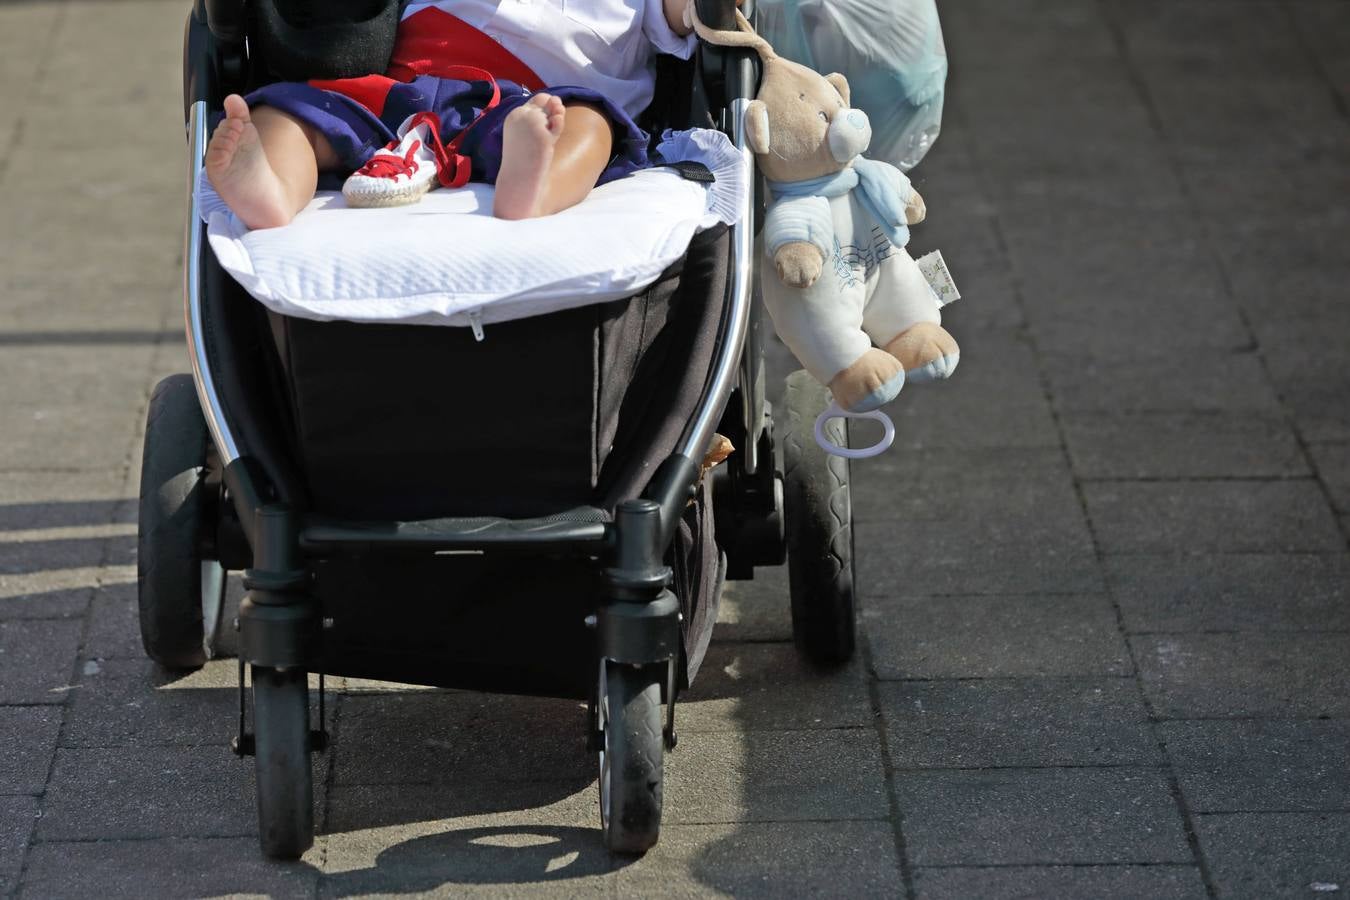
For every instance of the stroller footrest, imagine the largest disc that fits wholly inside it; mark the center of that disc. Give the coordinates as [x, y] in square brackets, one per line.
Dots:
[584, 529]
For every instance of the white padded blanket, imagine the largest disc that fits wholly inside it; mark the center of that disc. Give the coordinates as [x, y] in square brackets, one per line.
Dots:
[447, 261]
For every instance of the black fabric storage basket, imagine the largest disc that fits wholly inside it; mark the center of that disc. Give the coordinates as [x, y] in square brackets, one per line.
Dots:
[544, 414]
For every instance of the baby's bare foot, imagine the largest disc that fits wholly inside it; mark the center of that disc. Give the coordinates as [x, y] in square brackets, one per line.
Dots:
[238, 169]
[528, 136]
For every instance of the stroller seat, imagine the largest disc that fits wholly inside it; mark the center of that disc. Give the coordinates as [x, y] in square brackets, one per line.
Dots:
[447, 261]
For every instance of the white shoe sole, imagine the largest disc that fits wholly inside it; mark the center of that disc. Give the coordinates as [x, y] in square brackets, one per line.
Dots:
[403, 195]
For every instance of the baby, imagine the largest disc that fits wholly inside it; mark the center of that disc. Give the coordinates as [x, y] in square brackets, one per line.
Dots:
[465, 90]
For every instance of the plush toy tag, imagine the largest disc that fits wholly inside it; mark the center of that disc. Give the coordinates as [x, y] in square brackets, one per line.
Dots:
[935, 272]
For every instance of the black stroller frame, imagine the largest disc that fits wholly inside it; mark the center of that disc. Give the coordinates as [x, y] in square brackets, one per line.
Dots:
[242, 518]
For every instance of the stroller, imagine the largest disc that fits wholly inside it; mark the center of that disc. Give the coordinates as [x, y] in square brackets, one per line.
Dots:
[580, 557]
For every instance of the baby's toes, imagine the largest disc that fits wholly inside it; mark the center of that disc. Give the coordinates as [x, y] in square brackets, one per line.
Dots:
[236, 109]
[556, 121]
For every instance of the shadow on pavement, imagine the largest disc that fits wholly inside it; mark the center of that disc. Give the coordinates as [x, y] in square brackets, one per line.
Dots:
[515, 855]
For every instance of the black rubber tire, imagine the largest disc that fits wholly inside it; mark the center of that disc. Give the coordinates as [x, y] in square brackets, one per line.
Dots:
[285, 779]
[819, 527]
[173, 508]
[634, 754]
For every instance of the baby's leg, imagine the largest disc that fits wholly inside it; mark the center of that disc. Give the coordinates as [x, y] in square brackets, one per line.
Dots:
[551, 157]
[265, 163]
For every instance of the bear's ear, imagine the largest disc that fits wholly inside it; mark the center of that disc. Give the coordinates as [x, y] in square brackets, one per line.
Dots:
[757, 126]
[840, 84]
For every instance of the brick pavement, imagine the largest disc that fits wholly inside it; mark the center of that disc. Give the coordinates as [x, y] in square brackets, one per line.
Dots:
[1105, 571]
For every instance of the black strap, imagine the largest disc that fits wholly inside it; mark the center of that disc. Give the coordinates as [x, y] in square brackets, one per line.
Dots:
[693, 171]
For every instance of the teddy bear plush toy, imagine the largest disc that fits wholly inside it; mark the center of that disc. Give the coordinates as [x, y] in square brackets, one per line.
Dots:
[849, 301]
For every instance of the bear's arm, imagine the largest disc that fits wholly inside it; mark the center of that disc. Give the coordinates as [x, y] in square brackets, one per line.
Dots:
[799, 219]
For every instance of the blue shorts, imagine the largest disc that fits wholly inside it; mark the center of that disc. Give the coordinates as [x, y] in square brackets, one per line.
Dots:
[356, 132]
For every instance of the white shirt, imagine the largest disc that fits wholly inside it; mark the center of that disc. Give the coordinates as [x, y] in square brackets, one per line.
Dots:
[606, 45]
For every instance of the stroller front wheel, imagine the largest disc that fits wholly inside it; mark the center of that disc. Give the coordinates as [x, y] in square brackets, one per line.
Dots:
[285, 780]
[632, 752]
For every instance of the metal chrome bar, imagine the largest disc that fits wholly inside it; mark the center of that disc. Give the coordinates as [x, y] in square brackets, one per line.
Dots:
[194, 231]
[752, 411]
[733, 339]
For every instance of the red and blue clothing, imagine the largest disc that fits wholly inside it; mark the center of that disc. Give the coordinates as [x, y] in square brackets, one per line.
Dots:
[428, 74]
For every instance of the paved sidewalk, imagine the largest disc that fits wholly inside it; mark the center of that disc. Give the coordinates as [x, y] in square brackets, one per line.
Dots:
[1104, 572]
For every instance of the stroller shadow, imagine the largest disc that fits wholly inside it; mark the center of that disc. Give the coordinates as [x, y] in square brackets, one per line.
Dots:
[415, 774]
[493, 855]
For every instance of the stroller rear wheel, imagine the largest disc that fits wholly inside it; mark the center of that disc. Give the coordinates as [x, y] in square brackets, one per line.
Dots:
[819, 526]
[180, 594]
[281, 747]
[631, 756]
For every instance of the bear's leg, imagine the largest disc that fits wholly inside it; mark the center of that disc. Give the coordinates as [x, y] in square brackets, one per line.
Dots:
[903, 317]
[822, 326]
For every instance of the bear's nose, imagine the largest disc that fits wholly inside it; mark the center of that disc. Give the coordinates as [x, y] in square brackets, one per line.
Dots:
[849, 134]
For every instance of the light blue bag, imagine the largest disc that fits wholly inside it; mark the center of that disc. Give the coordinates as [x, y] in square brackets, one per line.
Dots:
[892, 53]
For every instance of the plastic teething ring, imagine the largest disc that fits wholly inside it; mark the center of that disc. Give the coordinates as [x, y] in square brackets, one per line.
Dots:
[834, 411]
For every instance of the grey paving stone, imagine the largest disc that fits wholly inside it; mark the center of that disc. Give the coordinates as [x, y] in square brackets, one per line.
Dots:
[433, 737]
[33, 556]
[1023, 722]
[1182, 445]
[1258, 855]
[58, 604]
[1040, 817]
[1079, 266]
[1223, 192]
[993, 636]
[38, 311]
[1309, 367]
[148, 792]
[978, 521]
[31, 500]
[1256, 36]
[1226, 675]
[744, 687]
[114, 630]
[125, 703]
[1325, 27]
[995, 400]
[1107, 335]
[1212, 517]
[1186, 380]
[1333, 468]
[366, 815]
[17, 816]
[756, 610]
[1064, 33]
[1303, 289]
[53, 530]
[1261, 765]
[187, 867]
[30, 738]
[780, 859]
[775, 776]
[37, 659]
[1249, 592]
[78, 410]
[1159, 882]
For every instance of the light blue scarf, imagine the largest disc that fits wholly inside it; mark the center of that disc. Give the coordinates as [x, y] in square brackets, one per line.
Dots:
[882, 189]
